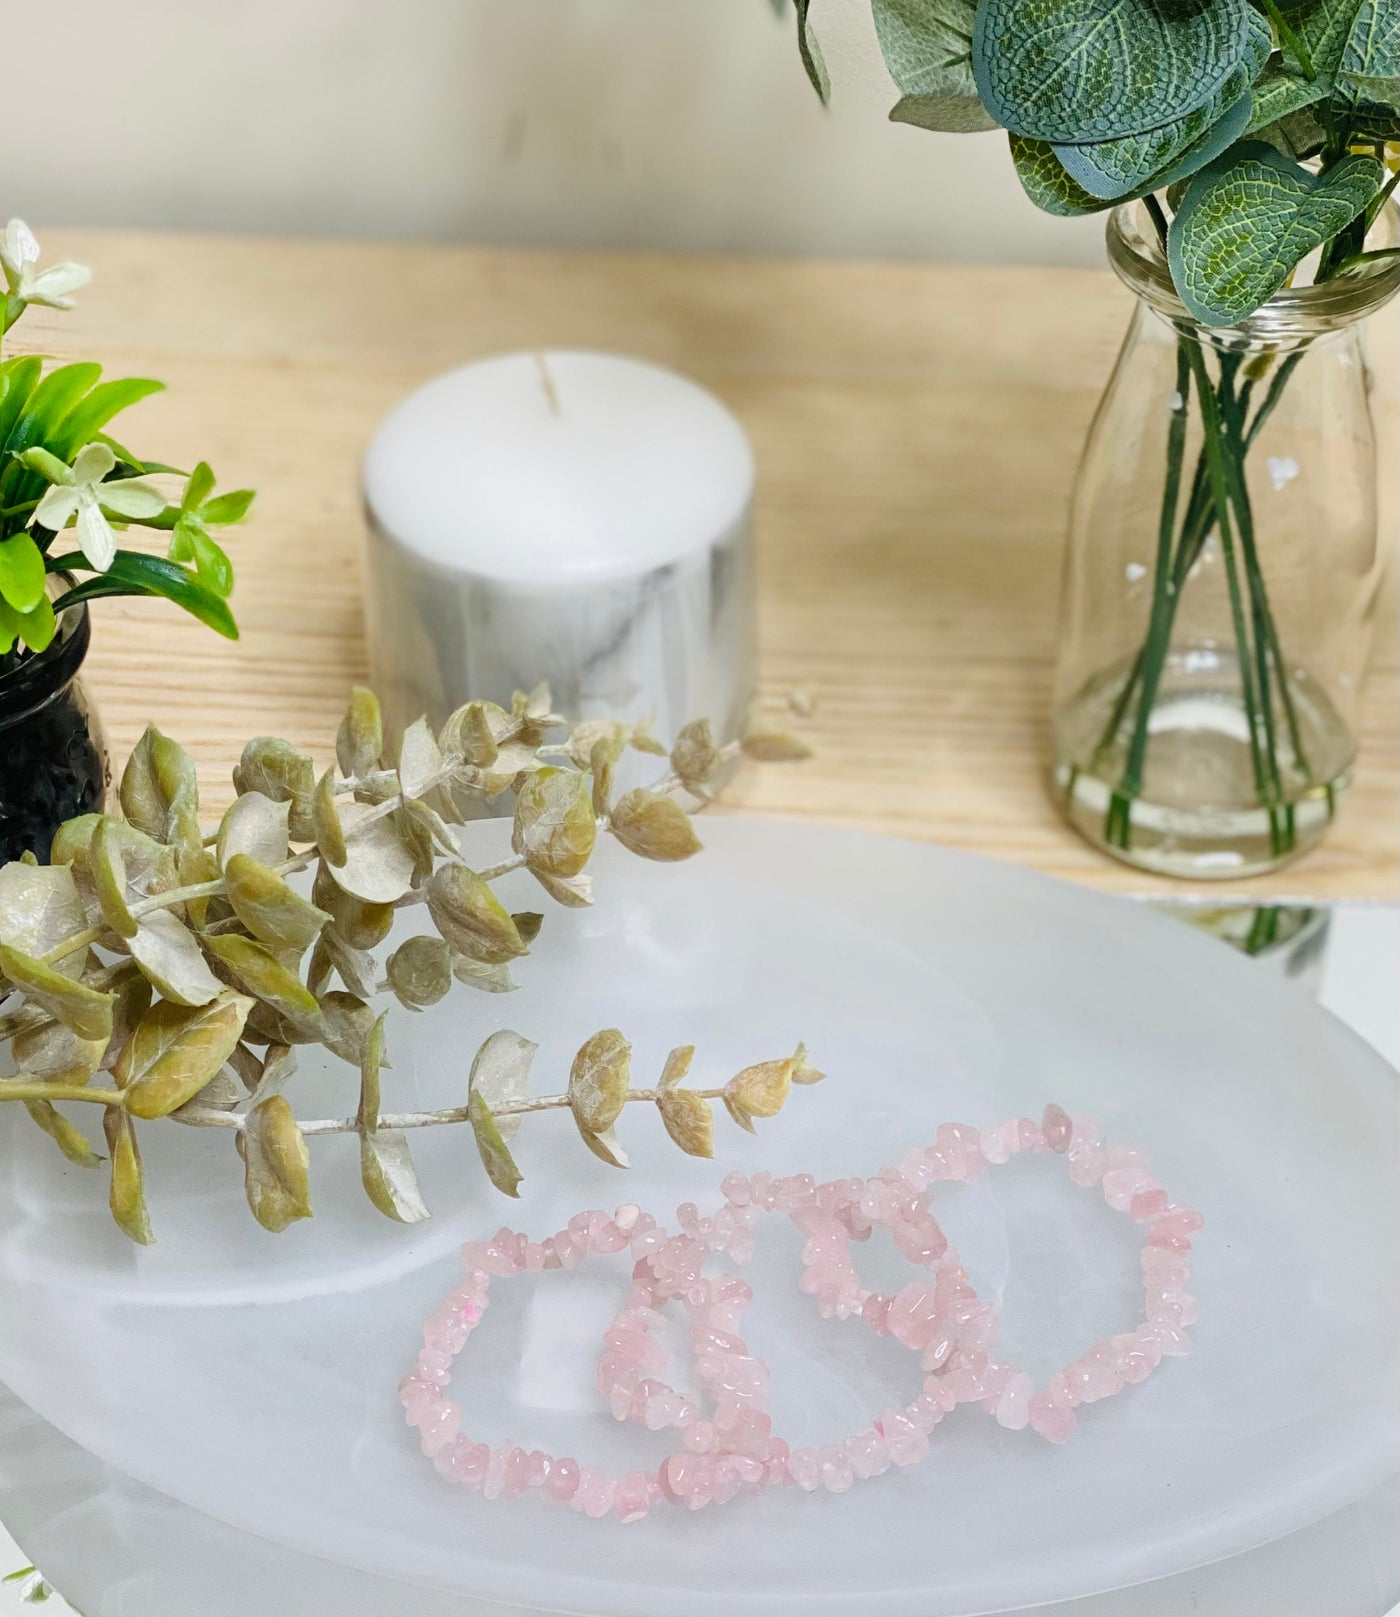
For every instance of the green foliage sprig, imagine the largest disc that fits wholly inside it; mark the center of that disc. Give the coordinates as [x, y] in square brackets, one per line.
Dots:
[63, 477]
[185, 970]
[1210, 109]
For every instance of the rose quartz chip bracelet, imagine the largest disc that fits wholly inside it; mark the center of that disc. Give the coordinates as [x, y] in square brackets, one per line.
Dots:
[731, 1447]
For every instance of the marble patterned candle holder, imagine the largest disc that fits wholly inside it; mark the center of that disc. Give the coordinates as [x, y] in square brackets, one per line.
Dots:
[574, 517]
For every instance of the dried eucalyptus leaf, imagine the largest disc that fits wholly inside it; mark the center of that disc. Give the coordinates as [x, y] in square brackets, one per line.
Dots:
[378, 866]
[176, 1050]
[55, 1054]
[677, 1065]
[278, 1067]
[737, 1112]
[599, 1080]
[358, 969]
[258, 972]
[320, 967]
[347, 1023]
[86, 1011]
[276, 769]
[160, 791]
[528, 924]
[127, 1194]
[361, 737]
[584, 737]
[325, 819]
[470, 734]
[73, 838]
[360, 925]
[255, 825]
[774, 747]
[470, 916]
[39, 908]
[653, 826]
[760, 1090]
[269, 909]
[689, 1121]
[695, 758]
[276, 1165]
[642, 740]
[803, 1072]
[220, 1094]
[555, 827]
[420, 762]
[420, 971]
[371, 1059]
[495, 1154]
[489, 979]
[247, 1065]
[387, 1173]
[573, 892]
[500, 1075]
[602, 762]
[607, 1147]
[68, 1137]
[267, 1026]
[166, 950]
[109, 878]
[197, 866]
[133, 1000]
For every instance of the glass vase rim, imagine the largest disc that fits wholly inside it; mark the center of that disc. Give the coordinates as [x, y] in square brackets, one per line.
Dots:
[40, 677]
[1296, 313]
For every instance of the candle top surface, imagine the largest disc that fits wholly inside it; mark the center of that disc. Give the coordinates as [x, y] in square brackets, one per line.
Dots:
[558, 467]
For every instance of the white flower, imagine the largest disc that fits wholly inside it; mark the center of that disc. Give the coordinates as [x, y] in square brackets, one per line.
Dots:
[19, 253]
[82, 497]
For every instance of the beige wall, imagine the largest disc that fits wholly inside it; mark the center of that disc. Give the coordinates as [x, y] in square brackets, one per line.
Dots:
[672, 123]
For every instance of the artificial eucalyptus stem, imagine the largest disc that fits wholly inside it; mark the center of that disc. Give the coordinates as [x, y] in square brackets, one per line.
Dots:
[209, 938]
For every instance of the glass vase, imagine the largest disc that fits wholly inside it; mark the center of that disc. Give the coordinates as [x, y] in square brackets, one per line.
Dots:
[1209, 671]
[53, 754]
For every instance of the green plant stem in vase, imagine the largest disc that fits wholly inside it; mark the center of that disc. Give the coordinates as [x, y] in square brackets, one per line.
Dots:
[1223, 564]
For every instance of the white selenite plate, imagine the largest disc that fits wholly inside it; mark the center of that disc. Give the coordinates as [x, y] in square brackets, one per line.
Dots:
[253, 1376]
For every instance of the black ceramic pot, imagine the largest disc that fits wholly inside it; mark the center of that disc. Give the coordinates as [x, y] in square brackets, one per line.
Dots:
[53, 754]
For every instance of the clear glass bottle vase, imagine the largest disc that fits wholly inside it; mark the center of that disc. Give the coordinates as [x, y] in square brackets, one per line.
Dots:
[1209, 672]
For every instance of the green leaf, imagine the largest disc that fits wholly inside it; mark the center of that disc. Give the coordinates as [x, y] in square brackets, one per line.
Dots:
[1296, 134]
[83, 423]
[813, 62]
[48, 465]
[259, 972]
[268, 907]
[1367, 90]
[1249, 218]
[169, 956]
[127, 1196]
[22, 574]
[1043, 179]
[36, 627]
[68, 1137]
[176, 1050]
[199, 487]
[1088, 70]
[225, 509]
[944, 114]
[1115, 168]
[84, 1010]
[927, 46]
[18, 378]
[134, 573]
[49, 405]
[495, 1153]
[276, 1165]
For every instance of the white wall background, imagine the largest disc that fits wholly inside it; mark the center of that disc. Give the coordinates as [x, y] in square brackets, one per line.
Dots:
[676, 124]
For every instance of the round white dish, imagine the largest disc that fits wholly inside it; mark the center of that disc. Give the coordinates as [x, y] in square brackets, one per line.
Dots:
[253, 1377]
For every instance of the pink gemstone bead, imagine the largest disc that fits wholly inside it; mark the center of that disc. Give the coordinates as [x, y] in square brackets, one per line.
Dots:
[1056, 1126]
[913, 1315]
[1055, 1422]
[907, 1445]
[596, 1492]
[804, 1467]
[1013, 1406]
[563, 1479]
[1148, 1204]
[633, 1498]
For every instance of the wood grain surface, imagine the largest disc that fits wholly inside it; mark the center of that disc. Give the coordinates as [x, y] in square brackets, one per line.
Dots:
[916, 428]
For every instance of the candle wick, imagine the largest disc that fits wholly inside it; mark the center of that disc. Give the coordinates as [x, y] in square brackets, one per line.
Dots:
[551, 393]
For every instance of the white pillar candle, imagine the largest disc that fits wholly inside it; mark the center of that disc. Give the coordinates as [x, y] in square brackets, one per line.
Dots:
[574, 517]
